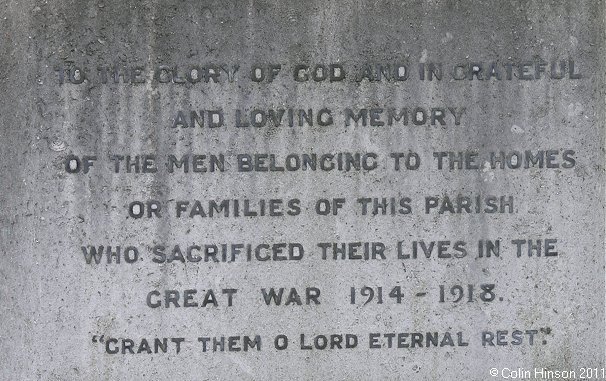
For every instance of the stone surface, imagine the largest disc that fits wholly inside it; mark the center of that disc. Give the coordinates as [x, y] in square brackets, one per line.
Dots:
[65, 122]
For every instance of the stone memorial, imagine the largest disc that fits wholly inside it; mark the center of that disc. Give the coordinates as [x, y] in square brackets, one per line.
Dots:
[302, 190]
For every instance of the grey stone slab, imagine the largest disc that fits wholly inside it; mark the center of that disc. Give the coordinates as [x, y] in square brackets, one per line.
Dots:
[318, 133]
